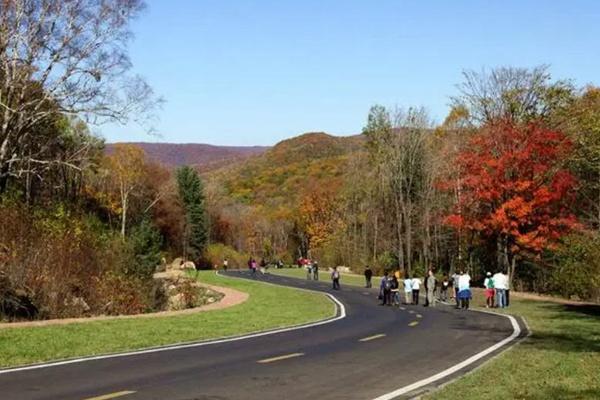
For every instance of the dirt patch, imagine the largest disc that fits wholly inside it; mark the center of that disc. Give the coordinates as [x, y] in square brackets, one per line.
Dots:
[230, 298]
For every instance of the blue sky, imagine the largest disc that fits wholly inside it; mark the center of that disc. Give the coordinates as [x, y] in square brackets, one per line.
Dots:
[256, 72]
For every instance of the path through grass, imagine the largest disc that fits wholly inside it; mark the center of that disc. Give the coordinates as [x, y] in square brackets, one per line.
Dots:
[268, 307]
[324, 275]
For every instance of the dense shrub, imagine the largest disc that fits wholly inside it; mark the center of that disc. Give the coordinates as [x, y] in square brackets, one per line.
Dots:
[217, 252]
[577, 268]
[65, 265]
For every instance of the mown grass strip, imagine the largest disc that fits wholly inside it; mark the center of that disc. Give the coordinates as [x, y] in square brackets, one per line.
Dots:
[560, 360]
[268, 307]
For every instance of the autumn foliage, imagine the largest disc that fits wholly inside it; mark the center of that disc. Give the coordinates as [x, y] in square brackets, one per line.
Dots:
[514, 186]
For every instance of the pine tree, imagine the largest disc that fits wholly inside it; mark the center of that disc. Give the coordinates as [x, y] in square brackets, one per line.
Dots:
[191, 194]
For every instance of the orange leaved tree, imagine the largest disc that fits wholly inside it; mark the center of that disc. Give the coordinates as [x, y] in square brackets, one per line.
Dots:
[515, 189]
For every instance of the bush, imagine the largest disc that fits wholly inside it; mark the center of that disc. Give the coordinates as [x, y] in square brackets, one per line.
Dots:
[63, 264]
[217, 252]
[577, 270]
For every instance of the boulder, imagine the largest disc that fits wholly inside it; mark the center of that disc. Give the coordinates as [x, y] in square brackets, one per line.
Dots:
[177, 302]
[188, 265]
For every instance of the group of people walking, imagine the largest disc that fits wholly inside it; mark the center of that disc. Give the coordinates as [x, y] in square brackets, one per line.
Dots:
[496, 288]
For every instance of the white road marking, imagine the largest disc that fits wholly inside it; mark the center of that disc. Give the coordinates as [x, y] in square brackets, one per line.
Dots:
[340, 306]
[419, 316]
[369, 338]
[414, 323]
[459, 366]
[112, 395]
[279, 358]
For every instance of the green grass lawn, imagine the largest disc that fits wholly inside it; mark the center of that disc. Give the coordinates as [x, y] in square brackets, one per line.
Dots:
[267, 307]
[561, 359]
[324, 275]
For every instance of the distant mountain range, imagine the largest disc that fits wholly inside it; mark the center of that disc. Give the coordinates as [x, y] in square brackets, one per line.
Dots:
[202, 156]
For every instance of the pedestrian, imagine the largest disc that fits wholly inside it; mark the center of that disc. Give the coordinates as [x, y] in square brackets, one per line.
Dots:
[253, 266]
[431, 284]
[385, 289]
[395, 290]
[315, 270]
[368, 276]
[225, 264]
[263, 266]
[455, 278]
[444, 289]
[308, 266]
[416, 286]
[464, 290]
[500, 285]
[408, 289]
[335, 278]
[488, 283]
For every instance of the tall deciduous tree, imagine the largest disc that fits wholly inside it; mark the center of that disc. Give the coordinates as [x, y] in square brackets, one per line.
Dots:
[515, 189]
[62, 57]
[126, 164]
[191, 194]
[509, 93]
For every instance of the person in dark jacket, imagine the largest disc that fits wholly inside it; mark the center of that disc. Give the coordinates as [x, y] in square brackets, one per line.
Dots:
[385, 290]
[368, 277]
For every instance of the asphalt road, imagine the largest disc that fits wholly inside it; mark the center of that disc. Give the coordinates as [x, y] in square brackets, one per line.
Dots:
[373, 351]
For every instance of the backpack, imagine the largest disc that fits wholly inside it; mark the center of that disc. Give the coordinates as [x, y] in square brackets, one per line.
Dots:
[336, 275]
[387, 284]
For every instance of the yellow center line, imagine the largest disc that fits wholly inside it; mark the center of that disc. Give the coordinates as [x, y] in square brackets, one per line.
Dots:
[378, 336]
[112, 395]
[279, 358]
[414, 323]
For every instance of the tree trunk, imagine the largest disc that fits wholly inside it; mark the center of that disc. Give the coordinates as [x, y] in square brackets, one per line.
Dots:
[124, 216]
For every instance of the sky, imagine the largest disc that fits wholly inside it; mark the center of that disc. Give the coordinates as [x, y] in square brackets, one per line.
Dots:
[256, 72]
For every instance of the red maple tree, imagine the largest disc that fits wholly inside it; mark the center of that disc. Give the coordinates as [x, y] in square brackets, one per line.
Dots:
[514, 188]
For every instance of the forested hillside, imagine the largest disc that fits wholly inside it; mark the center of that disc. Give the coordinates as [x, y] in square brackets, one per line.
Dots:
[202, 156]
[494, 187]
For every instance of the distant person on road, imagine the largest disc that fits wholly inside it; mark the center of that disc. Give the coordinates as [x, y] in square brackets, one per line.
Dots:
[385, 289]
[253, 266]
[488, 283]
[368, 277]
[444, 289]
[455, 278]
[225, 264]
[464, 290]
[408, 289]
[416, 286]
[431, 284]
[308, 266]
[395, 290]
[335, 278]
[315, 270]
[500, 285]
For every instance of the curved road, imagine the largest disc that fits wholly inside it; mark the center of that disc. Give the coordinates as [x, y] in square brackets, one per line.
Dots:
[373, 351]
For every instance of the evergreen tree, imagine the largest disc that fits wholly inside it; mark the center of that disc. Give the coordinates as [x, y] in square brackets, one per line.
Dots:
[146, 242]
[191, 193]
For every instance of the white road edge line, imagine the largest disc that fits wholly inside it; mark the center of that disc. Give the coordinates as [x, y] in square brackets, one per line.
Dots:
[459, 366]
[340, 307]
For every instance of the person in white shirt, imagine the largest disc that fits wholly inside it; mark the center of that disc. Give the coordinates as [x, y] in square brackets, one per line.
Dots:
[416, 286]
[464, 290]
[501, 285]
[408, 289]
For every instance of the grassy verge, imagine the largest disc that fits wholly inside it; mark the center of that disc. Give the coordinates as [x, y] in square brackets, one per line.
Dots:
[346, 279]
[267, 307]
[561, 360]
